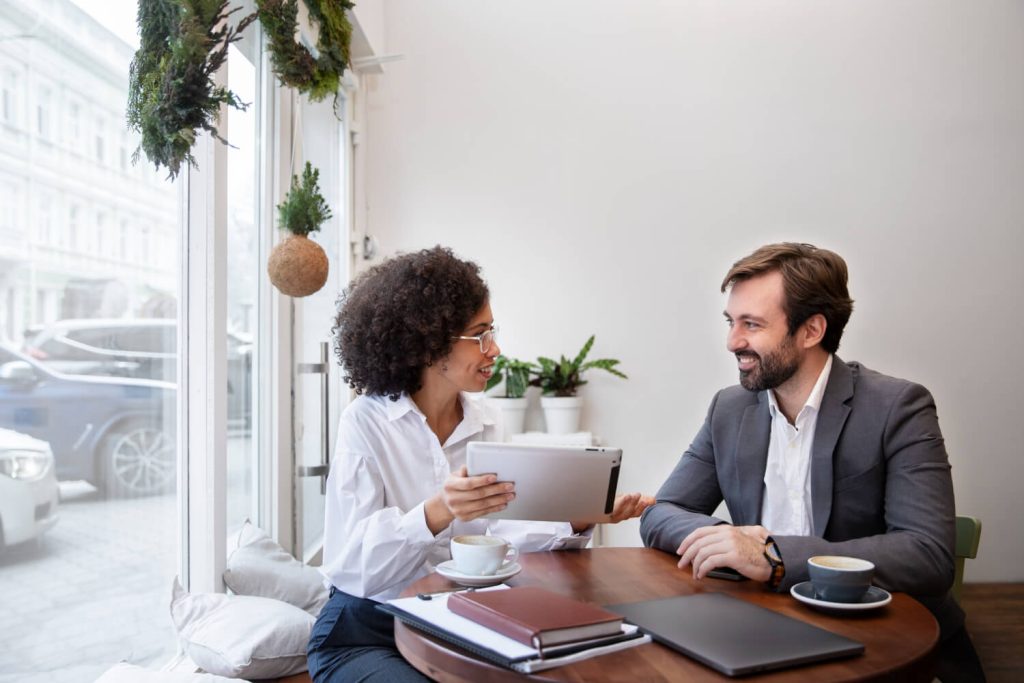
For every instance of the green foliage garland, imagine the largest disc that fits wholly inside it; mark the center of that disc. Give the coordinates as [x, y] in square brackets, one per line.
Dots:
[291, 61]
[304, 209]
[171, 91]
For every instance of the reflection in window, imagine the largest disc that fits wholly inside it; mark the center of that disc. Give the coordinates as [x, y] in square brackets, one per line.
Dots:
[84, 308]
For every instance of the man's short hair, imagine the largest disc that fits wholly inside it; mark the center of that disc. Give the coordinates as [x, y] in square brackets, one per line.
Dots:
[813, 281]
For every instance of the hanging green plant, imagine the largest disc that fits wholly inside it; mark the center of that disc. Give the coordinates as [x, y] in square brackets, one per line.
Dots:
[294, 65]
[298, 265]
[171, 92]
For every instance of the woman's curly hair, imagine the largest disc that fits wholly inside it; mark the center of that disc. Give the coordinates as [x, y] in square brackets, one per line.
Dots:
[400, 316]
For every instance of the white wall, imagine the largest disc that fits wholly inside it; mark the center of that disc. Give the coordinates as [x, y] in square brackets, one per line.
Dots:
[605, 162]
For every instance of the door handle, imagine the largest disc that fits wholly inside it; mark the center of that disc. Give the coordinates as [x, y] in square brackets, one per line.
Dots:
[323, 469]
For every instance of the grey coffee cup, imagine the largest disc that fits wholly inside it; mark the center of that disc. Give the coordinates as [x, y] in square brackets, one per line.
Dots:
[840, 579]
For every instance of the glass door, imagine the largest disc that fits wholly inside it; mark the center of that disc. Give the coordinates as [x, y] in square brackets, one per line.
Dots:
[325, 143]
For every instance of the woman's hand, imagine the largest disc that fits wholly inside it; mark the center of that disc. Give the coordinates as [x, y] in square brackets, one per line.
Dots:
[466, 498]
[627, 506]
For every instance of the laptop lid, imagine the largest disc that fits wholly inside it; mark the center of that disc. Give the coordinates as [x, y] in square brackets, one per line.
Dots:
[553, 483]
[734, 636]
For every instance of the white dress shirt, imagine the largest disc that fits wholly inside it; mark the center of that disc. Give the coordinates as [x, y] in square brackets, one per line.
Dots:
[387, 463]
[786, 509]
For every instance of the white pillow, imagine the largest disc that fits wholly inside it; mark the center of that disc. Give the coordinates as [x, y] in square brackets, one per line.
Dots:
[241, 636]
[259, 566]
[129, 673]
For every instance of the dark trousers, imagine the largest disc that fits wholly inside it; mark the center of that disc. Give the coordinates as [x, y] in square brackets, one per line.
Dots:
[354, 642]
[958, 662]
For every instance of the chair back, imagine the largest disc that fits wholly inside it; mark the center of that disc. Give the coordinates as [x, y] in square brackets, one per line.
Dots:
[968, 536]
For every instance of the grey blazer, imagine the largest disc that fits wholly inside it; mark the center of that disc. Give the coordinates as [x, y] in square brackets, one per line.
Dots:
[880, 483]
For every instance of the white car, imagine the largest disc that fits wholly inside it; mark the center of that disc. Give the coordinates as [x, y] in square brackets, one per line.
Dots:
[28, 488]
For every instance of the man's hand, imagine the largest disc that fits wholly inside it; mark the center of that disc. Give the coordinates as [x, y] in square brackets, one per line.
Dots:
[724, 545]
[465, 498]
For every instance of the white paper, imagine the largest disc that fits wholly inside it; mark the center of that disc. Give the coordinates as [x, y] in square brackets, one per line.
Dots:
[435, 611]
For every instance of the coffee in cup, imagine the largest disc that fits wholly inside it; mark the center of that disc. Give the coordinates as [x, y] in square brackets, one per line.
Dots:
[481, 555]
[836, 578]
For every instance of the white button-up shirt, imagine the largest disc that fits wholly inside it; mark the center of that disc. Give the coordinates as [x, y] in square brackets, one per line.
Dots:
[387, 463]
[786, 509]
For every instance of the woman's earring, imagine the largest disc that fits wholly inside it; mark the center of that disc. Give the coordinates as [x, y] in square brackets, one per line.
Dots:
[444, 366]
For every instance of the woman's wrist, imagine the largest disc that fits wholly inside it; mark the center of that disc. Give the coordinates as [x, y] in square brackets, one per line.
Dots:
[437, 515]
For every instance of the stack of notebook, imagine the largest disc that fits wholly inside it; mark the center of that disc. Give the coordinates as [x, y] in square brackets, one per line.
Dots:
[526, 629]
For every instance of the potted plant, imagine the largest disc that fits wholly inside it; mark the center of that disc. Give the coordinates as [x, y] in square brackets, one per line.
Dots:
[297, 265]
[559, 381]
[516, 374]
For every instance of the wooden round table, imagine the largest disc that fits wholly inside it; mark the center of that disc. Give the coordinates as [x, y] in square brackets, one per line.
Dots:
[899, 639]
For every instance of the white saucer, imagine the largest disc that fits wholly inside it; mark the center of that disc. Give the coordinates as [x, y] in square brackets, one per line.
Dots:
[507, 571]
[874, 598]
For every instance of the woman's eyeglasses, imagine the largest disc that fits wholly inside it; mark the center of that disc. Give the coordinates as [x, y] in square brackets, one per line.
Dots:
[485, 338]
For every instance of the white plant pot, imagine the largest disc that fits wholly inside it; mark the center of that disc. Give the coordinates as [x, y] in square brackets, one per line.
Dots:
[513, 413]
[562, 413]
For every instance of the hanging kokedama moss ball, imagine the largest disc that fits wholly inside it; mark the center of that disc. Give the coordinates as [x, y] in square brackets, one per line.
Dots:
[298, 265]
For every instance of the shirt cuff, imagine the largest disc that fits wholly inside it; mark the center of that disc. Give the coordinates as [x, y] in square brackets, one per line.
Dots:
[414, 525]
[574, 541]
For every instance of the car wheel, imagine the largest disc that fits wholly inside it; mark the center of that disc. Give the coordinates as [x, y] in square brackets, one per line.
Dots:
[138, 459]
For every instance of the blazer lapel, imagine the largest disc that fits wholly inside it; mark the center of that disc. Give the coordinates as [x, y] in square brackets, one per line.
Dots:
[834, 411]
[752, 458]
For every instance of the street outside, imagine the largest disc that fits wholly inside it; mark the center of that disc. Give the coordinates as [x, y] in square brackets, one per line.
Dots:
[95, 590]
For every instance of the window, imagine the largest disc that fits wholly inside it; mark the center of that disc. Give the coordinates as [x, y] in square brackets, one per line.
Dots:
[74, 131]
[9, 104]
[101, 236]
[44, 112]
[73, 234]
[123, 155]
[101, 139]
[87, 572]
[44, 217]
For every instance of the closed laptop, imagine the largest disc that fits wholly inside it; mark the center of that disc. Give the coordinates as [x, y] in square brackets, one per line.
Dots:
[734, 636]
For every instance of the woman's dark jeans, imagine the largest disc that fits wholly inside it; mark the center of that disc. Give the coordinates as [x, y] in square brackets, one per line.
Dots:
[354, 642]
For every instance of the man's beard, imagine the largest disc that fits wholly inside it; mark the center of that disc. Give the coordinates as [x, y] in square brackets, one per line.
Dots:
[772, 369]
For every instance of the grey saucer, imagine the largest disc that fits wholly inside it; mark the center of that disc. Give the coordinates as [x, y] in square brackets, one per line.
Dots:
[874, 598]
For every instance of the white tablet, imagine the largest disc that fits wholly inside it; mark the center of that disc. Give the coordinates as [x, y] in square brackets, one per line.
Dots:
[553, 483]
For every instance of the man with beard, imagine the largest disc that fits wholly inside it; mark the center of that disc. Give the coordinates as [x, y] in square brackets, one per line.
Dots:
[814, 455]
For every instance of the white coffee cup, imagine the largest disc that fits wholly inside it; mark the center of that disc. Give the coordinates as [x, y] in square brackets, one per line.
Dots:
[481, 555]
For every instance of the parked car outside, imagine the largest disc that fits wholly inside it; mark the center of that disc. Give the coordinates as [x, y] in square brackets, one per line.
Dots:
[28, 488]
[116, 433]
[142, 348]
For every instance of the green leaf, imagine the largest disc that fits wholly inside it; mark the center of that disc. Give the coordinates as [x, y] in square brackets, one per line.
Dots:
[494, 380]
[584, 351]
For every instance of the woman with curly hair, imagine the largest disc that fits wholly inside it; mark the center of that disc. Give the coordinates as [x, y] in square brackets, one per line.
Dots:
[414, 336]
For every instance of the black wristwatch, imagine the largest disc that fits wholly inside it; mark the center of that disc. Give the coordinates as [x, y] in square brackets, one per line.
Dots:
[774, 557]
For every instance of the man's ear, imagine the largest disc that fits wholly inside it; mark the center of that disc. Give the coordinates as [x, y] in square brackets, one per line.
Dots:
[814, 330]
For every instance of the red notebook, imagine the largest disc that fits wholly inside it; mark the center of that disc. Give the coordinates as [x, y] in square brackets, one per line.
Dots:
[535, 616]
